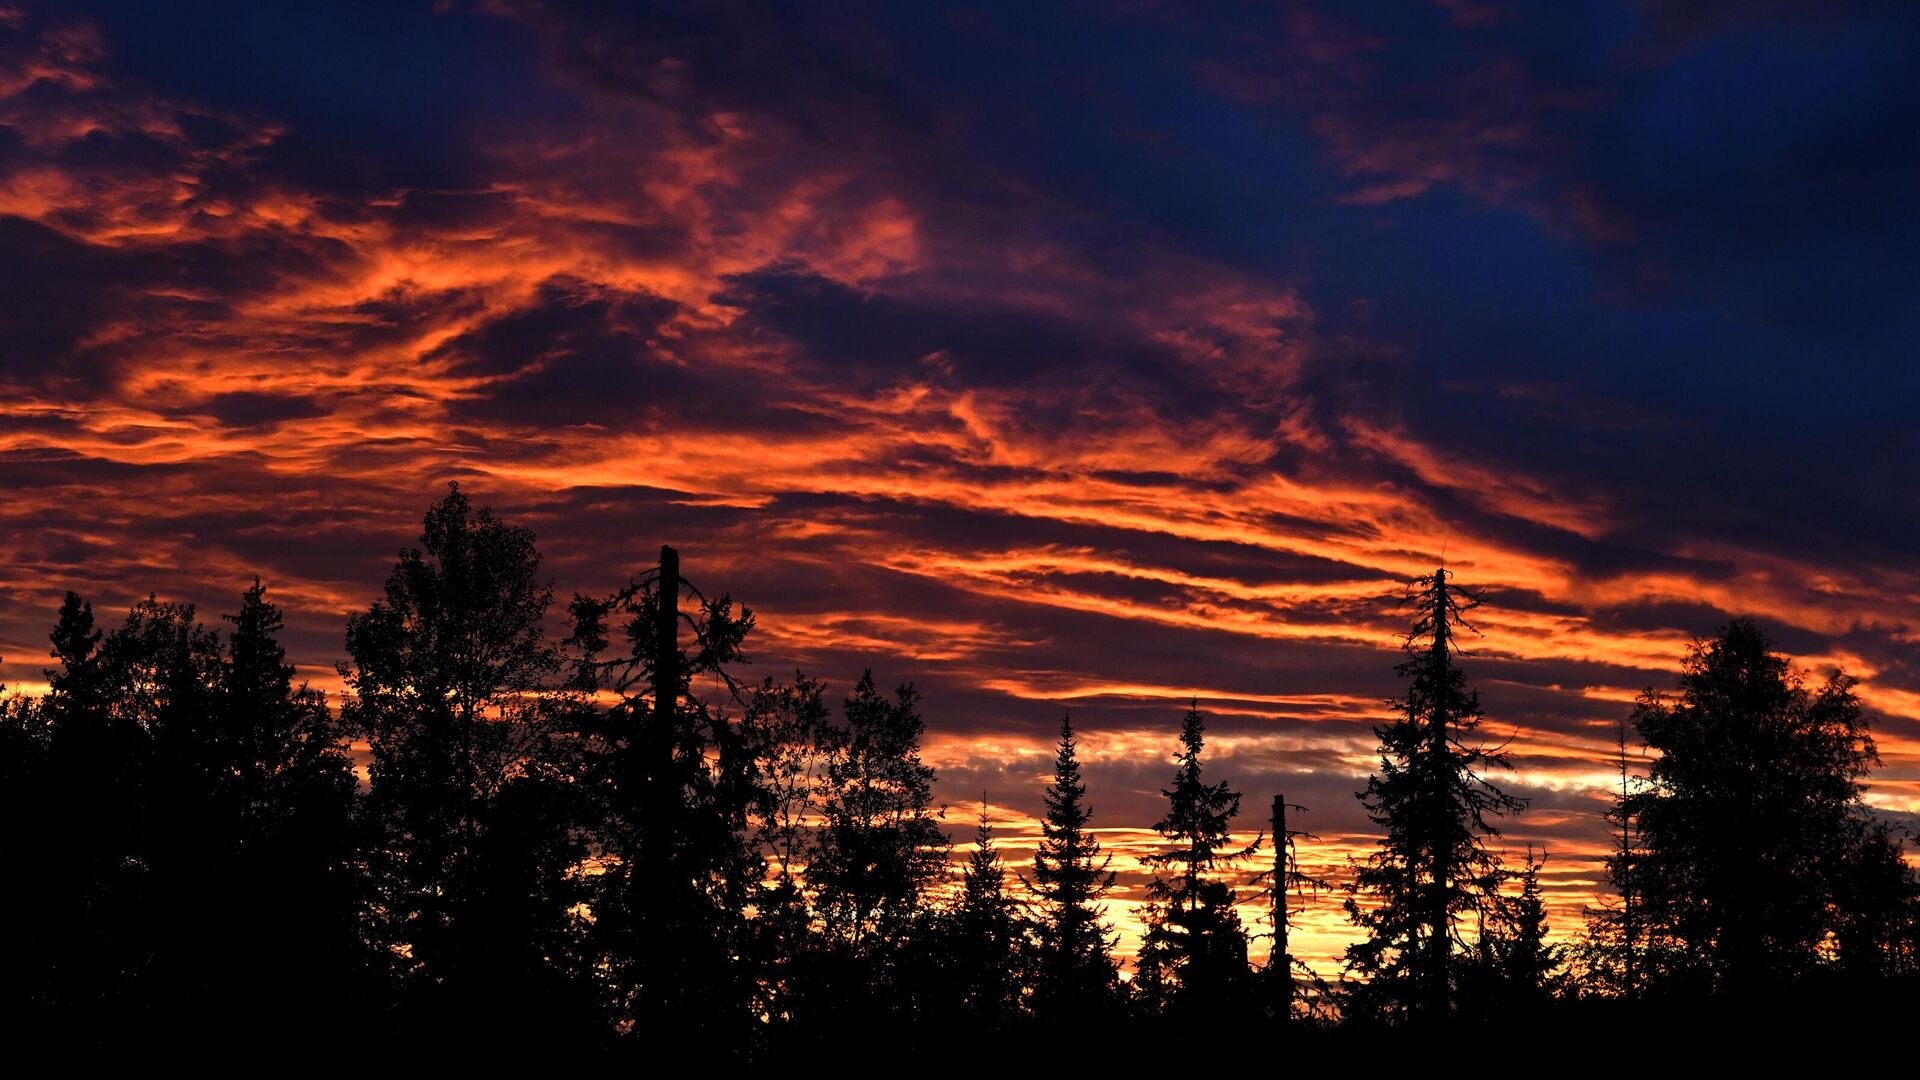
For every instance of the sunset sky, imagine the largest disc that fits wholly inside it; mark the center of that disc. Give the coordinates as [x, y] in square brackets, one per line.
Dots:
[1097, 358]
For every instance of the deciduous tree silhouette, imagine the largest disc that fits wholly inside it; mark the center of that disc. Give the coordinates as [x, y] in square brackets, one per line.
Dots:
[879, 849]
[670, 790]
[1435, 809]
[475, 852]
[784, 730]
[1876, 907]
[1752, 821]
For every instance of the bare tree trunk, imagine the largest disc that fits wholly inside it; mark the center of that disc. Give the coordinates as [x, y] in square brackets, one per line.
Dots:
[1282, 959]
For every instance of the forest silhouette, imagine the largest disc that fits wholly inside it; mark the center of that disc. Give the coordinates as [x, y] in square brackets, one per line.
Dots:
[613, 842]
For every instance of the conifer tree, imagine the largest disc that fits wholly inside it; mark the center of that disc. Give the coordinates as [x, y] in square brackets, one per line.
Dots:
[1193, 959]
[26, 848]
[1528, 964]
[1436, 811]
[1075, 974]
[985, 936]
[295, 893]
[87, 904]
[1280, 882]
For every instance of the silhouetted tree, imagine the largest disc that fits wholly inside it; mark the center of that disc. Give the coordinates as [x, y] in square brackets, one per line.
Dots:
[90, 941]
[34, 898]
[1075, 976]
[1518, 969]
[1193, 959]
[1752, 818]
[879, 849]
[1876, 906]
[985, 946]
[1435, 808]
[671, 786]
[1282, 881]
[1611, 953]
[451, 684]
[784, 730]
[207, 886]
[291, 889]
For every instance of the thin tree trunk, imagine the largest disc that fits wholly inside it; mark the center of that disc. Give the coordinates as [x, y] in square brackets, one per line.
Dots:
[1282, 960]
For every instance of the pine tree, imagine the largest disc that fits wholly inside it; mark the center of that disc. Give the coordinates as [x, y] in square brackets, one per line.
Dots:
[1193, 959]
[1076, 975]
[1435, 808]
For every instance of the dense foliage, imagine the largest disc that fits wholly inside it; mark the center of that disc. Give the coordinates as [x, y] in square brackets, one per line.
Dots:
[608, 839]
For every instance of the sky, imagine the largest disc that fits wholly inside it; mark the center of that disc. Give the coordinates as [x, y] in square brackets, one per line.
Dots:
[1090, 357]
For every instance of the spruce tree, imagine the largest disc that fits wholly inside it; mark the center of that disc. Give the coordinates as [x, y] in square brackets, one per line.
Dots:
[1528, 971]
[1193, 959]
[1435, 809]
[1075, 977]
[985, 936]
[26, 847]
[88, 904]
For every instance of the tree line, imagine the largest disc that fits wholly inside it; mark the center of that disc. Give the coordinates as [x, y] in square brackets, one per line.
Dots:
[612, 840]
